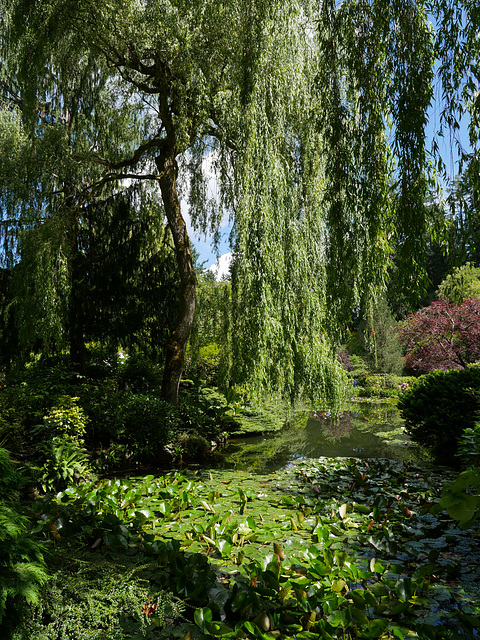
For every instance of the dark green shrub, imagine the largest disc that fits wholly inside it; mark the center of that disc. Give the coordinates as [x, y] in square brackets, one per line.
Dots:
[29, 393]
[439, 407]
[101, 402]
[138, 374]
[147, 424]
[203, 411]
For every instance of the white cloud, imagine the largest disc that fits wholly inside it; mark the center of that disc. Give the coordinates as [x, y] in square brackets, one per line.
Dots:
[222, 267]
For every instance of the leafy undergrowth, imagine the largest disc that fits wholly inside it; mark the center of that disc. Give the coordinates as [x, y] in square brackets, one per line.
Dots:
[328, 549]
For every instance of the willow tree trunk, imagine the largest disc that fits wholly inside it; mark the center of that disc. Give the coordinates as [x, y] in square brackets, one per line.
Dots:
[177, 343]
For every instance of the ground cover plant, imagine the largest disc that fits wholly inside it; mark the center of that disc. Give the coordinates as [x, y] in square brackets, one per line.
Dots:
[327, 549]
[92, 598]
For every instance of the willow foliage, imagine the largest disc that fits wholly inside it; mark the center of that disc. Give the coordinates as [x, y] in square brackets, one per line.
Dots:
[312, 116]
[325, 187]
[458, 51]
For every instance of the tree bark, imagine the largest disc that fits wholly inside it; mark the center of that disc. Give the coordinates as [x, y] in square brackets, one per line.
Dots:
[177, 343]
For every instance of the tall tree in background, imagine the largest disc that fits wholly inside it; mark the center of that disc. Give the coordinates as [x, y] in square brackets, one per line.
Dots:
[463, 283]
[463, 204]
[130, 281]
[292, 100]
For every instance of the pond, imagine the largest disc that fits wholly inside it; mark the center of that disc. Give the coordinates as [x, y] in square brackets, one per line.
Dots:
[368, 430]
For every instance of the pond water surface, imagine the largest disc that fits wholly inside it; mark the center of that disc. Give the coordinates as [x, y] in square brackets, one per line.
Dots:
[369, 430]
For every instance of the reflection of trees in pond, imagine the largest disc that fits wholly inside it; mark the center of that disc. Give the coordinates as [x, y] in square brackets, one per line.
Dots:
[367, 432]
[334, 427]
[273, 450]
[378, 412]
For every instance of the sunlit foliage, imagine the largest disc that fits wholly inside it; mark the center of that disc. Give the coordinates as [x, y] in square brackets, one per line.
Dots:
[312, 117]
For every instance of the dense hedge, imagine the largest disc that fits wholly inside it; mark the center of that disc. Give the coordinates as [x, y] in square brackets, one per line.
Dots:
[439, 407]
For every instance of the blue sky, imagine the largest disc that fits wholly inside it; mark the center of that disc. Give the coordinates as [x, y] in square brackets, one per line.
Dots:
[448, 149]
[204, 245]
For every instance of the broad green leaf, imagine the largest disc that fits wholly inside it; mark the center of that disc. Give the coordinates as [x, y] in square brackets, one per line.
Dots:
[404, 589]
[339, 585]
[339, 618]
[359, 617]
[375, 628]
[461, 506]
[224, 547]
[202, 616]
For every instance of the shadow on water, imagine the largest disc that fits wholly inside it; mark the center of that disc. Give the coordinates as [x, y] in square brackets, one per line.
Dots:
[370, 430]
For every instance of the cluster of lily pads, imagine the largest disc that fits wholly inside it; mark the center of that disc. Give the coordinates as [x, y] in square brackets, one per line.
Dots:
[329, 548]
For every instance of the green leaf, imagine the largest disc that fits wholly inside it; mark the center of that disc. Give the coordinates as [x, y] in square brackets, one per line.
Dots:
[359, 617]
[465, 479]
[375, 629]
[397, 632]
[404, 589]
[339, 618]
[224, 547]
[164, 508]
[338, 585]
[202, 616]
[460, 506]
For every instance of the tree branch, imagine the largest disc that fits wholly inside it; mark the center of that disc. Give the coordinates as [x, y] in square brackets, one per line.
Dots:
[154, 143]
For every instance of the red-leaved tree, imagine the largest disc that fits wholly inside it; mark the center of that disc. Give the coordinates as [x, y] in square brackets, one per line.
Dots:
[442, 336]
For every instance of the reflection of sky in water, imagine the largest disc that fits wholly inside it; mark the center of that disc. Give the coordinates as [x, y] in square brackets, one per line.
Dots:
[372, 431]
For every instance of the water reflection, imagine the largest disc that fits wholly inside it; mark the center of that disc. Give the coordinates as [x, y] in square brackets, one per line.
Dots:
[368, 431]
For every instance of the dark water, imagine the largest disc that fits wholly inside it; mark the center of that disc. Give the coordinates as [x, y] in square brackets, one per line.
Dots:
[369, 430]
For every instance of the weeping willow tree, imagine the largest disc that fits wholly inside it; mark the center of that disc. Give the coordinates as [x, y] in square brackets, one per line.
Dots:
[158, 82]
[313, 117]
[334, 169]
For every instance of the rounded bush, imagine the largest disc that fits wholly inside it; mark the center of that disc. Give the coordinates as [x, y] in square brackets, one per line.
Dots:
[439, 407]
[148, 423]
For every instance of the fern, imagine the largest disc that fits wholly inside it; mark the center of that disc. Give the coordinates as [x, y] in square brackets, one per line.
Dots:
[10, 479]
[65, 464]
[22, 568]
